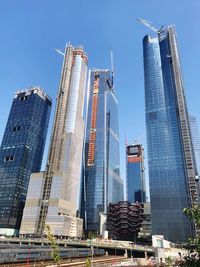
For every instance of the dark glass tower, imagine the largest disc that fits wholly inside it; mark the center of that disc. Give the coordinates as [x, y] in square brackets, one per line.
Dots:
[21, 153]
[102, 183]
[135, 179]
[170, 153]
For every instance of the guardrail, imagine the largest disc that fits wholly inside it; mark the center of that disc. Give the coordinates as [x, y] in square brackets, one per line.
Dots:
[83, 243]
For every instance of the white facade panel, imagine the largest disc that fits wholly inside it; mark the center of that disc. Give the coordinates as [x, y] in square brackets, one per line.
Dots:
[73, 95]
[32, 208]
[61, 186]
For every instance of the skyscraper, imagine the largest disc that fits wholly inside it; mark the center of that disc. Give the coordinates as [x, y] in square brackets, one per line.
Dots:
[21, 153]
[170, 152]
[135, 178]
[102, 183]
[56, 200]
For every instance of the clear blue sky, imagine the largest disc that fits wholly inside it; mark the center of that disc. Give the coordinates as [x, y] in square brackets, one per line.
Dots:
[30, 30]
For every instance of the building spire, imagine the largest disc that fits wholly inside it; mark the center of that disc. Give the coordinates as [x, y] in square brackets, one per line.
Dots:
[112, 66]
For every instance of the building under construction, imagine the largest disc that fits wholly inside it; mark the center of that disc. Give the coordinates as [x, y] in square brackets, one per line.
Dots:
[171, 162]
[135, 176]
[53, 195]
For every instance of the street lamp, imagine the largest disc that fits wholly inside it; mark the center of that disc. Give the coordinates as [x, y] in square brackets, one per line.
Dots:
[28, 257]
[92, 249]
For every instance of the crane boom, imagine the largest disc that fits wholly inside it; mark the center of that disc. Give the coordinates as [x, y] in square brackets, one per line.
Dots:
[148, 24]
[59, 51]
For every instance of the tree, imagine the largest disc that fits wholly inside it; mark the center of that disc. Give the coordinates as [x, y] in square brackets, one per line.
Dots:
[193, 246]
[169, 261]
[88, 262]
[55, 254]
[193, 214]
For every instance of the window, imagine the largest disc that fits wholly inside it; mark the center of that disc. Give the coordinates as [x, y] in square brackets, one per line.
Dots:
[23, 98]
[16, 128]
[153, 115]
[9, 158]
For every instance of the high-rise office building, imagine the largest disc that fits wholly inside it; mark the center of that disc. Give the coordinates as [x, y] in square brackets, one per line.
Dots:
[21, 153]
[195, 141]
[56, 201]
[135, 177]
[170, 152]
[102, 183]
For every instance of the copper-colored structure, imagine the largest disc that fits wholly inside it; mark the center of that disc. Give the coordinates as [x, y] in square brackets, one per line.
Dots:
[92, 140]
[124, 220]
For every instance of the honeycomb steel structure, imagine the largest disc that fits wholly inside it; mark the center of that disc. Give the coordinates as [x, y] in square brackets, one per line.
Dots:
[124, 220]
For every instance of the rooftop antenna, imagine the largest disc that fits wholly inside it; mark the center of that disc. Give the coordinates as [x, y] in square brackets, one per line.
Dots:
[149, 24]
[126, 140]
[112, 65]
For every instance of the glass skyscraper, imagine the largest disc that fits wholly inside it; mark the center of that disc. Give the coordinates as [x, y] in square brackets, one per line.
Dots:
[58, 188]
[21, 153]
[102, 183]
[170, 152]
[135, 178]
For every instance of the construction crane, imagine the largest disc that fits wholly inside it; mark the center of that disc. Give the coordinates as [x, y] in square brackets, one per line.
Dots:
[60, 51]
[149, 24]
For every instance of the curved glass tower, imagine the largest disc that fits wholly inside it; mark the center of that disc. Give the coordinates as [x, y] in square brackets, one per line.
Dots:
[170, 155]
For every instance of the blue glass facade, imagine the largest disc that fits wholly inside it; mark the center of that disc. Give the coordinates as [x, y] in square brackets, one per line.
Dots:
[21, 153]
[102, 183]
[169, 190]
[135, 179]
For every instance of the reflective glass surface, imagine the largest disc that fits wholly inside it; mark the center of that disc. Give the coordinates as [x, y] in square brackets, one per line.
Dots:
[102, 177]
[21, 153]
[135, 183]
[167, 176]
